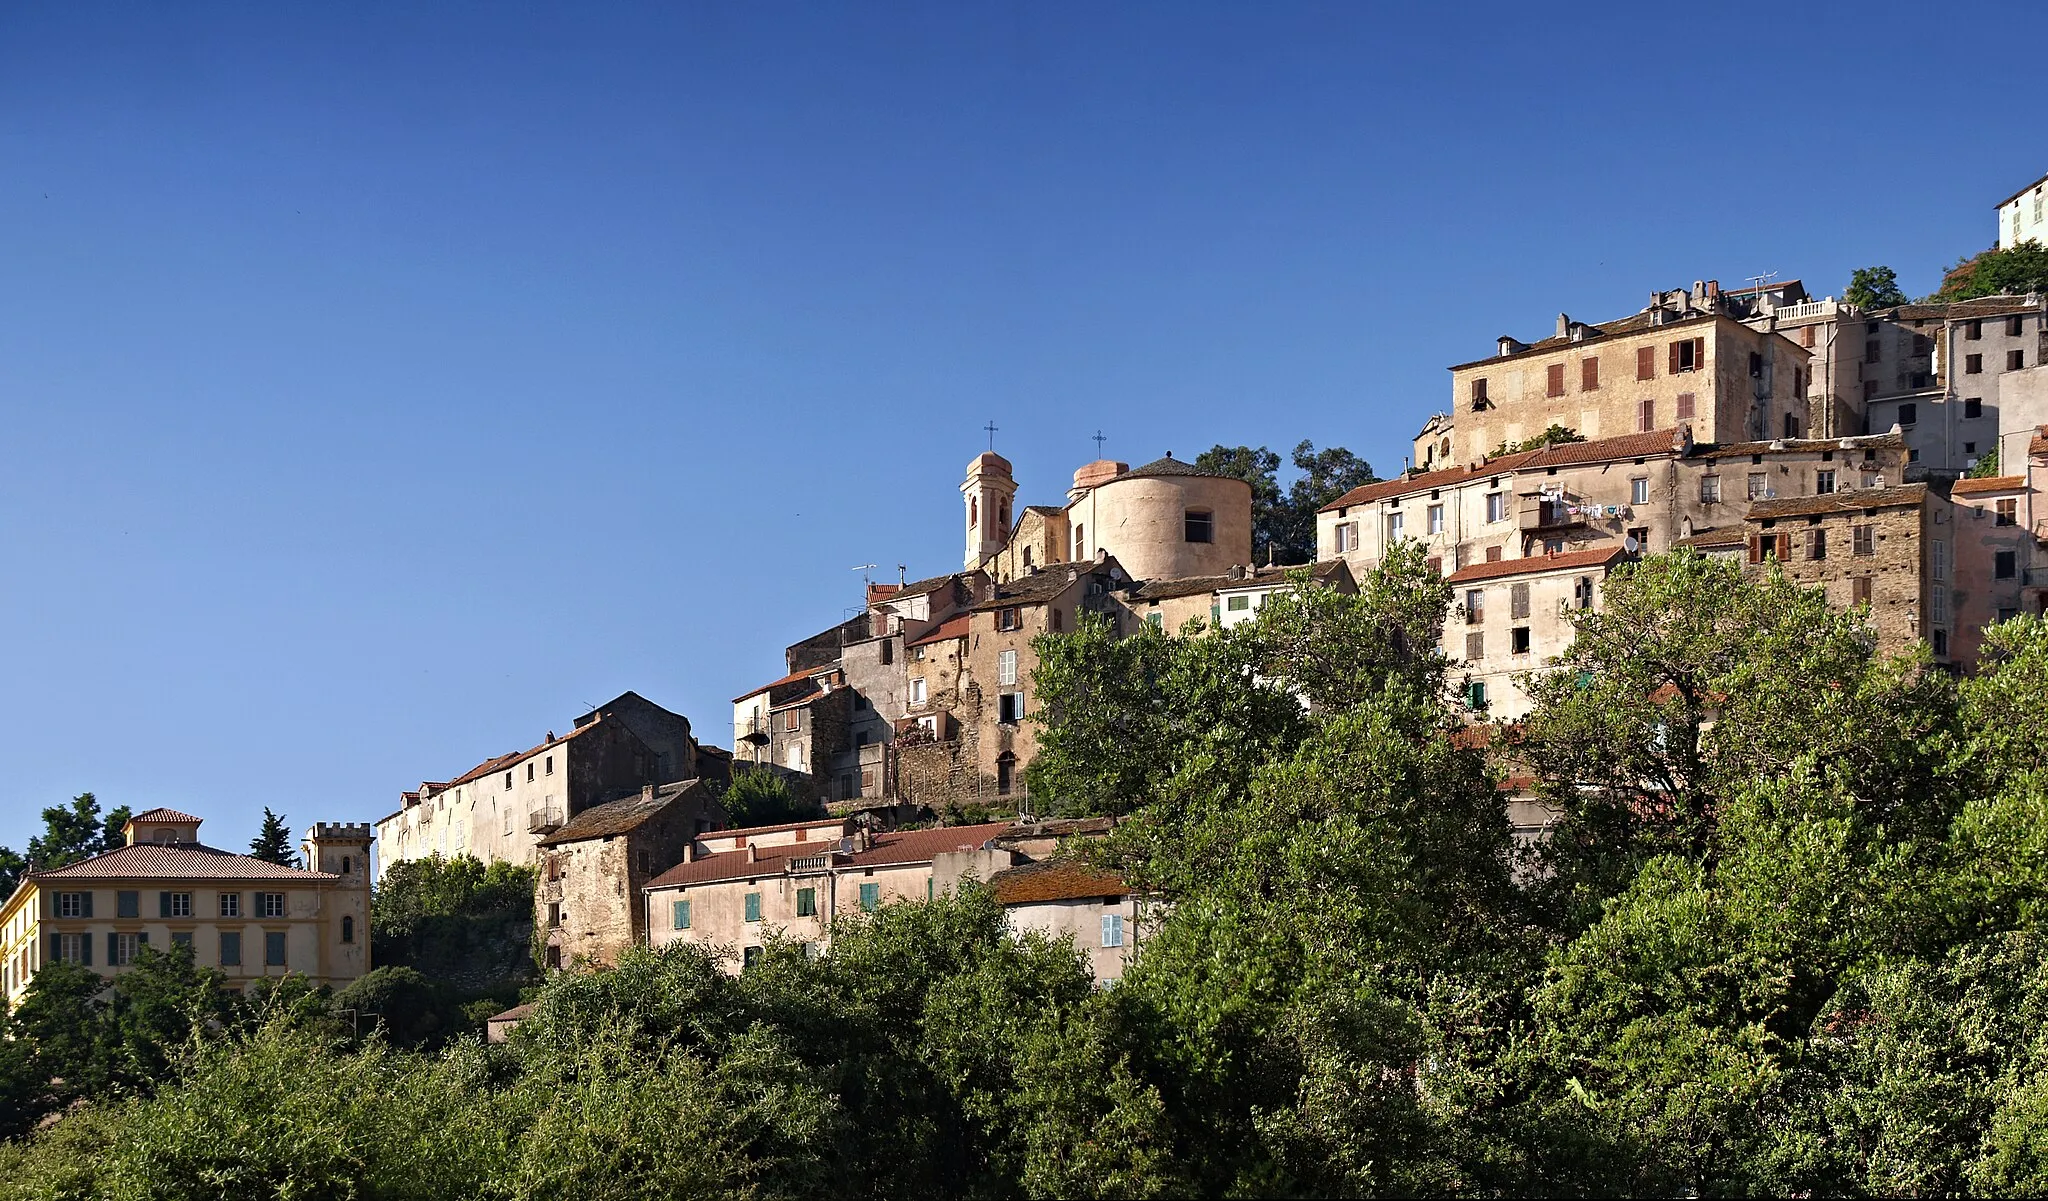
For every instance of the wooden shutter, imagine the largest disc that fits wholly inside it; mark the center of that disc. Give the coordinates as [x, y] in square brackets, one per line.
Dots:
[56, 947]
[142, 939]
[1685, 406]
[113, 948]
[1756, 548]
[1589, 375]
[1784, 548]
[1673, 370]
[1699, 354]
[1646, 362]
[85, 949]
[1555, 373]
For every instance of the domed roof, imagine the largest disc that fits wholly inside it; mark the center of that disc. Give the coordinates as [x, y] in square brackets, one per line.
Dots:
[1172, 466]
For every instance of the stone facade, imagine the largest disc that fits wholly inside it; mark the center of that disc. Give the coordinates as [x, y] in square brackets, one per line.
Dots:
[587, 905]
[1890, 549]
[1510, 618]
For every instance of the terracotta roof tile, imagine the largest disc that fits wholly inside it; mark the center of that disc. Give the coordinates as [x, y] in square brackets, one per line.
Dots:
[1726, 536]
[903, 846]
[1599, 332]
[1054, 880]
[2038, 444]
[1999, 483]
[1170, 466]
[952, 627]
[175, 861]
[163, 815]
[1601, 450]
[1533, 564]
[1852, 501]
[1729, 450]
[791, 678]
[1563, 454]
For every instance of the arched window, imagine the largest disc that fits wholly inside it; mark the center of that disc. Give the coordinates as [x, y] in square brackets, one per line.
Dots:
[1199, 525]
[1027, 558]
[348, 929]
[1003, 515]
[974, 511]
[1080, 543]
[345, 865]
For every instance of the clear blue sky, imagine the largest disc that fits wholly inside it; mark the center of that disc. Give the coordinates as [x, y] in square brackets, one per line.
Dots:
[383, 383]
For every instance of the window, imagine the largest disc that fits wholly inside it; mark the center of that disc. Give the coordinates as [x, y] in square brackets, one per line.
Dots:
[1646, 362]
[1582, 593]
[1710, 489]
[1059, 620]
[791, 719]
[1816, 544]
[1496, 506]
[1080, 542]
[1347, 537]
[1553, 384]
[1937, 598]
[1011, 618]
[870, 897]
[2008, 513]
[1589, 375]
[127, 903]
[1909, 414]
[1157, 621]
[1518, 601]
[753, 902]
[1873, 351]
[679, 915]
[1479, 400]
[1940, 557]
[508, 821]
[1639, 490]
[1646, 416]
[1238, 604]
[1823, 483]
[1010, 708]
[807, 902]
[554, 914]
[231, 904]
[74, 948]
[917, 691]
[1973, 364]
[1688, 355]
[1759, 483]
[2014, 326]
[1006, 773]
[1518, 640]
[1475, 695]
[2004, 564]
[1940, 640]
[1973, 331]
[1806, 337]
[1436, 519]
[793, 758]
[74, 904]
[174, 904]
[1006, 667]
[231, 948]
[1112, 929]
[508, 781]
[1764, 547]
[121, 948]
[1869, 389]
[1859, 590]
[2015, 360]
[348, 929]
[271, 904]
[1791, 426]
[1493, 554]
[1198, 526]
[1973, 406]
[1863, 540]
[529, 771]
[1475, 606]
[181, 938]
[550, 767]
[1475, 646]
[1395, 523]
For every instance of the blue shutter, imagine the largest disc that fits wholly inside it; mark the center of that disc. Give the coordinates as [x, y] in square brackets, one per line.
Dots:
[870, 897]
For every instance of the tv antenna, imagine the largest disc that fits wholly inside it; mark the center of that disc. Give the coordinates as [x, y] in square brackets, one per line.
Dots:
[863, 569]
[991, 427]
[1758, 281]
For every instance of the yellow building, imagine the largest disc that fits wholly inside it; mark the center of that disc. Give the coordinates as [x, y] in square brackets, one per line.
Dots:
[246, 917]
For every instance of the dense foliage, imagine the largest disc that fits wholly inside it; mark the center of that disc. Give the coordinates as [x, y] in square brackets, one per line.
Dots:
[2014, 271]
[763, 797]
[70, 833]
[1788, 938]
[1874, 288]
[464, 927]
[273, 841]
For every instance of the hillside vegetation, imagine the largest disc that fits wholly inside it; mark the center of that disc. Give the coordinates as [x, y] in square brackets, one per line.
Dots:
[1788, 939]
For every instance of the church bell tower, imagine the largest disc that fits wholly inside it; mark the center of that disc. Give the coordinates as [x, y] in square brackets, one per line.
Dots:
[988, 491]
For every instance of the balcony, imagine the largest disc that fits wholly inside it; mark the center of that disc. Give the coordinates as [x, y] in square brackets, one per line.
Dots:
[543, 821]
[1541, 515]
[1812, 308]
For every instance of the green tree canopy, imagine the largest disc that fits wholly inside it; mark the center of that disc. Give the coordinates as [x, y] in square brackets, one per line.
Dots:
[1284, 522]
[1874, 288]
[273, 842]
[2013, 271]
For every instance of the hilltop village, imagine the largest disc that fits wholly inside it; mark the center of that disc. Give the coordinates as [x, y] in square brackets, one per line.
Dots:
[1894, 457]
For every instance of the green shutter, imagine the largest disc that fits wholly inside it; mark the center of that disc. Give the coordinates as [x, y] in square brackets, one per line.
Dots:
[127, 903]
[753, 906]
[682, 915]
[163, 904]
[88, 902]
[870, 897]
[142, 939]
[85, 949]
[56, 948]
[113, 949]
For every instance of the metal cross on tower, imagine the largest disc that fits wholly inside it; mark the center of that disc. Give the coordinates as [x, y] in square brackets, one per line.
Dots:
[1099, 440]
[991, 427]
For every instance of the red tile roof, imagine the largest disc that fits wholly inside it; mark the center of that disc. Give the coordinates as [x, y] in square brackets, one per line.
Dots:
[1852, 501]
[952, 627]
[505, 761]
[772, 685]
[1999, 483]
[1445, 477]
[1601, 450]
[1536, 563]
[2038, 445]
[904, 846]
[175, 861]
[810, 824]
[1055, 880]
[163, 815]
[1562, 454]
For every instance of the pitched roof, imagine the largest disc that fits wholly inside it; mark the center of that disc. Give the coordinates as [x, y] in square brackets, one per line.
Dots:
[2038, 444]
[176, 861]
[1424, 481]
[1533, 564]
[1725, 536]
[618, 817]
[1979, 306]
[502, 762]
[903, 846]
[1562, 454]
[518, 1013]
[1326, 572]
[1726, 450]
[1601, 450]
[1193, 585]
[162, 815]
[1036, 589]
[952, 627]
[2023, 191]
[1594, 333]
[1854, 501]
[1054, 880]
[1997, 483]
[791, 678]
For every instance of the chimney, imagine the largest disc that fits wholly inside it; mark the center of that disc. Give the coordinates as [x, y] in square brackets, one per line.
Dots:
[1713, 289]
[1564, 326]
[753, 853]
[647, 792]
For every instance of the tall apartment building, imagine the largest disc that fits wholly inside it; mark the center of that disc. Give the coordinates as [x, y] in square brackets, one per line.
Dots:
[2021, 217]
[501, 808]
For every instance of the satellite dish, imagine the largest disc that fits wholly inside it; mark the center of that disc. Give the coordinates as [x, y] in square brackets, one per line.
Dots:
[1630, 545]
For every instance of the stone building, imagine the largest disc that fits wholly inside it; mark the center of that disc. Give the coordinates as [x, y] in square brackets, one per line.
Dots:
[1973, 351]
[2020, 216]
[1067, 899]
[587, 906]
[795, 880]
[1510, 617]
[797, 724]
[501, 808]
[243, 917]
[1684, 360]
[2000, 569]
[1889, 549]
